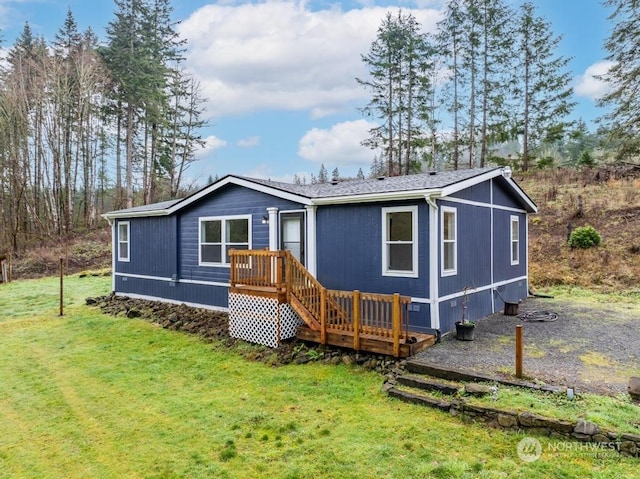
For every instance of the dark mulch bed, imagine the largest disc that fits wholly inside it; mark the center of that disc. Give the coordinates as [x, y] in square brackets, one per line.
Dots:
[593, 348]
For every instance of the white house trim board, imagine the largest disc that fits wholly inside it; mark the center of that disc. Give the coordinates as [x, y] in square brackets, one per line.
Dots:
[273, 228]
[312, 240]
[240, 182]
[171, 280]
[113, 255]
[479, 289]
[480, 204]
[143, 276]
[414, 273]
[433, 262]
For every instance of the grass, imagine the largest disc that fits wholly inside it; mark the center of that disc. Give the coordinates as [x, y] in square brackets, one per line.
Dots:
[615, 414]
[88, 395]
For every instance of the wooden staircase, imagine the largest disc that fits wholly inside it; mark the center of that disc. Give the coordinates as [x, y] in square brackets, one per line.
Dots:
[369, 322]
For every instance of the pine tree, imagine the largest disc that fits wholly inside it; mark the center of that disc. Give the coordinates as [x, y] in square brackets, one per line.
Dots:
[623, 44]
[543, 91]
[400, 61]
[450, 39]
[323, 176]
[360, 175]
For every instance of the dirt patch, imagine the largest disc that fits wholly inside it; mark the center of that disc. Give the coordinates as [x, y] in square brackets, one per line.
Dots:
[213, 326]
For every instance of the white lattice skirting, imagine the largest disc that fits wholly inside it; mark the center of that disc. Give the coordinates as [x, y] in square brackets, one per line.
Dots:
[261, 320]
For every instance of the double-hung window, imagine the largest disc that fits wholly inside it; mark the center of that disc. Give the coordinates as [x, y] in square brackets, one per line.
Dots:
[219, 235]
[124, 248]
[400, 241]
[449, 235]
[515, 240]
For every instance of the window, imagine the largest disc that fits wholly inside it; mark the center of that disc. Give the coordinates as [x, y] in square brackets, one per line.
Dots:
[449, 236]
[515, 240]
[400, 244]
[219, 235]
[123, 241]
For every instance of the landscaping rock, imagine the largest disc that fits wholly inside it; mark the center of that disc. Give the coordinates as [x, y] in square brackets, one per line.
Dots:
[586, 427]
[628, 448]
[507, 420]
[479, 390]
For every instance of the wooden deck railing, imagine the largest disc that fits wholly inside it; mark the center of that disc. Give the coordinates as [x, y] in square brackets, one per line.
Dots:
[349, 312]
[257, 268]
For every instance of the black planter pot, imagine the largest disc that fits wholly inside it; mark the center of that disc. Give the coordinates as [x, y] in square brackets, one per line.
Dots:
[464, 332]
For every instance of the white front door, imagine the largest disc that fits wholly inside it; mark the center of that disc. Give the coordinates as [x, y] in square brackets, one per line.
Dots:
[292, 234]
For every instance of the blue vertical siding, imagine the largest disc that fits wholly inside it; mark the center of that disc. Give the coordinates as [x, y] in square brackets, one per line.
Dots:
[349, 249]
[473, 248]
[179, 292]
[153, 247]
[503, 195]
[503, 269]
[228, 201]
[479, 305]
[480, 193]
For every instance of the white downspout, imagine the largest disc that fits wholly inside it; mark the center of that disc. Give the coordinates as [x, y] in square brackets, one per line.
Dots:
[433, 261]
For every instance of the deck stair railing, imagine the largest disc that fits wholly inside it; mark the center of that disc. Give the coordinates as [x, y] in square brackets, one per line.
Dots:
[354, 313]
[310, 299]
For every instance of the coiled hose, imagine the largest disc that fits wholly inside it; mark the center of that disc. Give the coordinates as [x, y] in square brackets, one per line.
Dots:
[538, 316]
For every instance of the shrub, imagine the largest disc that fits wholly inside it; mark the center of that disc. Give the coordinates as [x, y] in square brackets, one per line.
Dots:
[584, 237]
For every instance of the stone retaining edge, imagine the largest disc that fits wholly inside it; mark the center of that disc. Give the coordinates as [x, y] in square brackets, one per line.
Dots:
[584, 431]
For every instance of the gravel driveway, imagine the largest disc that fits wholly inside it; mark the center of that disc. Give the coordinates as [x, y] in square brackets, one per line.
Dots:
[591, 347]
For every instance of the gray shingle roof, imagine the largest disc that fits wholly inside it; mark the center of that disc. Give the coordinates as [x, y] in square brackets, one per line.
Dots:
[163, 205]
[345, 189]
[392, 184]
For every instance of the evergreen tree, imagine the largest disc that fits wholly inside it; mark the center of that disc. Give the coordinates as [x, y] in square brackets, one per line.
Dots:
[323, 176]
[543, 91]
[360, 175]
[335, 174]
[623, 44]
[450, 44]
[400, 61]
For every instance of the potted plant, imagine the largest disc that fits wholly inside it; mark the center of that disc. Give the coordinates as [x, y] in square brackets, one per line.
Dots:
[464, 327]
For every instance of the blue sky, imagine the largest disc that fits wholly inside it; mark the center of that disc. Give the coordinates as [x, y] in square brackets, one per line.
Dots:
[280, 75]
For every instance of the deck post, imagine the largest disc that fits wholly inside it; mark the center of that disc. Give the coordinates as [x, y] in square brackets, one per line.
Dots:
[356, 320]
[323, 315]
[232, 277]
[396, 324]
[284, 264]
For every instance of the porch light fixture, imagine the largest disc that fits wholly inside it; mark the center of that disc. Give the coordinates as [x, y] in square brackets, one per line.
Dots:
[265, 220]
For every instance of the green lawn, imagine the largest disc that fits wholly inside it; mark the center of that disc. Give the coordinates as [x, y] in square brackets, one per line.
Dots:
[88, 395]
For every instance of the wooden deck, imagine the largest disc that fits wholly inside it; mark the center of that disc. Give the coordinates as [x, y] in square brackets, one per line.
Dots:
[370, 343]
[370, 322]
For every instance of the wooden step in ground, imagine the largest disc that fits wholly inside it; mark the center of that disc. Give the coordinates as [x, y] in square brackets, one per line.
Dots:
[453, 374]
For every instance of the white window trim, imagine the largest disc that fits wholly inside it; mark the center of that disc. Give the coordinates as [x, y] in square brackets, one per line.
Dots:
[128, 242]
[414, 240]
[516, 219]
[223, 232]
[453, 271]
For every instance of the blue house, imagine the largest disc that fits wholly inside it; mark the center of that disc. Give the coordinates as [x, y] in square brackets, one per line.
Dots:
[435, 239]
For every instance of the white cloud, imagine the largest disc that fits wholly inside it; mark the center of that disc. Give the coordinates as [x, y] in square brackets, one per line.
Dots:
[249, 142]
[586, 85]
[282, 55]
[338, 145]
[211, 144]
